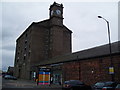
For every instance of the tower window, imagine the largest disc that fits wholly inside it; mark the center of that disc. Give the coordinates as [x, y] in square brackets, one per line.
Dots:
[18, 58]
[24, 54]
[18, 52]
[24, 57]
[26, 35]
[25, 48]
[29, 52]
[26, 41]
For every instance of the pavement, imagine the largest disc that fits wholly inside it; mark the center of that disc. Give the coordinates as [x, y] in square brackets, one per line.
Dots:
[26, 84]
[49, 86]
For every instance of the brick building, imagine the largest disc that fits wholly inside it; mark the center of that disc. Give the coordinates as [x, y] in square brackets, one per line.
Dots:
[90, 66]
[42, 41]
[10, 70]
[48, 44]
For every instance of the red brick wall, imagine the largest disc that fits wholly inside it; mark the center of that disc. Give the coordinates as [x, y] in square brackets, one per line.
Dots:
[71, 71]
[92, 70]
[117, 67]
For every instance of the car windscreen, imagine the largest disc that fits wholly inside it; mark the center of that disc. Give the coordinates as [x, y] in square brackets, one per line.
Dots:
[100, 84]
[7, 75]
[118, 86]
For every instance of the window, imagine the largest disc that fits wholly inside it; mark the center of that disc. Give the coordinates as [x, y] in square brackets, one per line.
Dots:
[18, 58]
[25, 55]
[25, 41]
[26, 35]
[18, 52]
[25, 48]
[29, 52]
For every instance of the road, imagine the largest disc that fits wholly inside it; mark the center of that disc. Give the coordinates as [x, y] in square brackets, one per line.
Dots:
[24, 85]
[31, 89]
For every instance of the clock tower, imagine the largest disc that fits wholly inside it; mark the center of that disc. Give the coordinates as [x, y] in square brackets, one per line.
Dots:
[60, 35]
[56, 14]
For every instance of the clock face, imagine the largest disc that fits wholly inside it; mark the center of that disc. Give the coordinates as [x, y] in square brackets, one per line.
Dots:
[52, 12]
[58, 12]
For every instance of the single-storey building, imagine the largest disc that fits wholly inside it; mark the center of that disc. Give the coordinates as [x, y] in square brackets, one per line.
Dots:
[90, 65]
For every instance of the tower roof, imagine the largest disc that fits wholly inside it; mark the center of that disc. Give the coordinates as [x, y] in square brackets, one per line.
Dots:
[56, 4]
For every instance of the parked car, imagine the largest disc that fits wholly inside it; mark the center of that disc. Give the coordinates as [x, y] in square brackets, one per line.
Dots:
[99, 85]
[109, 85]
[117, 87]
[75, 85]
[10, 77]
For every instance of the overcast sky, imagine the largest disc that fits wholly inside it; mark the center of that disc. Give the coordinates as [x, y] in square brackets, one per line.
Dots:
[80, 17]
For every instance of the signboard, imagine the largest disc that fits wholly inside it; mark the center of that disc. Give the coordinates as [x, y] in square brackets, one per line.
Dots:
[44, 76]
[111, 70]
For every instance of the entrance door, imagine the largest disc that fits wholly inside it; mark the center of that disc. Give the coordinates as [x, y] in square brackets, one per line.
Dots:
[57, 79]
[19, 73]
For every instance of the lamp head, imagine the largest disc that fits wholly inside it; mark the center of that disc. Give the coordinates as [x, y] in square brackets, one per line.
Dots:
[99, 17]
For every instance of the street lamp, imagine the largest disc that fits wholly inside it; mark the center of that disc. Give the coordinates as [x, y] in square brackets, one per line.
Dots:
[111, 69]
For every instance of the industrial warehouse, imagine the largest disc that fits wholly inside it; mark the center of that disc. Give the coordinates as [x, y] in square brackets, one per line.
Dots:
[45, 48]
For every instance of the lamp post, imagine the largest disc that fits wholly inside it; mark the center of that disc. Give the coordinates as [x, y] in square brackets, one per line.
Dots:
[111, 68]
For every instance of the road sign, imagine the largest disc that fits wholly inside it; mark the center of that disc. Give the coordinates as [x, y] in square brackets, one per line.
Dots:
[111, 70]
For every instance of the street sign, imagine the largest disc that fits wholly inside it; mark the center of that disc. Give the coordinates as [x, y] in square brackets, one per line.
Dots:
[111, 70]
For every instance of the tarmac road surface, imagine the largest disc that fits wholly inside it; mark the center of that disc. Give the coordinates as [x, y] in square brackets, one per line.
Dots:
[31, 89]
[26, 85]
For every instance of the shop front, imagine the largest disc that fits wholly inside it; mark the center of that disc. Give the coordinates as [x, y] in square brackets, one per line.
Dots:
[56, 74]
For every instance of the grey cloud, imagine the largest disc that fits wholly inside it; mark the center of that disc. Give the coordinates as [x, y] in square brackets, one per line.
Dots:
[7, 35]
[8, 47]
[7, 58]
[81, 18]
